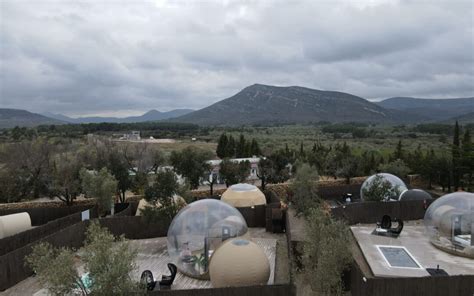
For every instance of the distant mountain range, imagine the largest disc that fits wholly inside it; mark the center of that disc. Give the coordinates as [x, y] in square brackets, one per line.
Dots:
[15, 117]
[431, 109]
[462, 119]
[152, 115]
[266, 105]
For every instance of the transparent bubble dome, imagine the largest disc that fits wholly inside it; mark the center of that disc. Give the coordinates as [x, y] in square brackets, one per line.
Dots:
[243, 187]
[198, 230]
[382, 186]
[449, 223]
[415, 194]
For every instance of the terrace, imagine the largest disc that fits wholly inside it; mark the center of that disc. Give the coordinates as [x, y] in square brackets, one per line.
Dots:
[153, 256]
[153, 247]
[415, 241]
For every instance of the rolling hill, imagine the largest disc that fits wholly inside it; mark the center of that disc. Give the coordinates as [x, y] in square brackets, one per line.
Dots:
[16, 117]
[433, 109]
[462, 119]
[152, 115]
[264, 104]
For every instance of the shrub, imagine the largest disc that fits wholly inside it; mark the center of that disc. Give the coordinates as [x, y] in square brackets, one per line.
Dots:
[326, 253]
[304, 189]
[100, 185]
[109, 263]
[396, 167]
[166, 197]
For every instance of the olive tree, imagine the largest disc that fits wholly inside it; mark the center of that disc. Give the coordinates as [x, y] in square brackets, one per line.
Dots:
[108, 261]
[165, 196]
[65, 182]
[99, 185]
[25, 169]
[234, 172]
[303, 188]
[350, 167]
[396, 167]
[141, 159]
[191, 163]
[326, 253]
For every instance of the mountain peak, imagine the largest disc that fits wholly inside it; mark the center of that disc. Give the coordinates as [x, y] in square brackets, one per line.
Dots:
[17, 117]
[152, 112]
[267, 104]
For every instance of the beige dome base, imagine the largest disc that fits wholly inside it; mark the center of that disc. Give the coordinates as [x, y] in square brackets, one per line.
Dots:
[243, 195]
[239, 262]
[14, 223]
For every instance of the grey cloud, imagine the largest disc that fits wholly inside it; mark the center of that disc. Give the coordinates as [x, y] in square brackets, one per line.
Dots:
[93, 57]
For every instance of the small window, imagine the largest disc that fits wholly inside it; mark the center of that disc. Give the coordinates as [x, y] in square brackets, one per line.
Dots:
[397, 256]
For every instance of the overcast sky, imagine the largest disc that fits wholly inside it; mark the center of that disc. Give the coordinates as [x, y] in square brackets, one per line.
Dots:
[126, 57]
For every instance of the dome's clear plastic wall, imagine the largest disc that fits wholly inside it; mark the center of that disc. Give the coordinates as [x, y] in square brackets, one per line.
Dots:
[198, 230]
[449, 223]
[382, 187]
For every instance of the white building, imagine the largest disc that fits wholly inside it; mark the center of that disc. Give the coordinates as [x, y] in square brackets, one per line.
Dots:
[215, 165]
[132, 136]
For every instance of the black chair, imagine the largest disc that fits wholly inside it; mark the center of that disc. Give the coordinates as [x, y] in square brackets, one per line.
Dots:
[384, 227]
[147, 280]
[386, 222]
[399, 228]
[167, 280]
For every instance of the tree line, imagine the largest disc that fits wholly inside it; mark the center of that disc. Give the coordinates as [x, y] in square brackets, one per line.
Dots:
[228, 147]
[452, 169]
[51, 167]
[44, 168]
[149, 128]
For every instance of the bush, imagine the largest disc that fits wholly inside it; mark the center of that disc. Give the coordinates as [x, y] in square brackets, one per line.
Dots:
[396, 167]
[109, 263]
[100, 185]
[166, 197]
[304, 189]
[326, 253]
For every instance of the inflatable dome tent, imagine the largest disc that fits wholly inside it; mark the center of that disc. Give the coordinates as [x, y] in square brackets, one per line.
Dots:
[243, 195]
[449, 223]
[198, 230]
[415, 194]
[382, 187]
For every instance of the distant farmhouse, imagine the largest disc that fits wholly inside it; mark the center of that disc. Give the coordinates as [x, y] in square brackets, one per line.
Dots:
[132, 136]
[216, 163]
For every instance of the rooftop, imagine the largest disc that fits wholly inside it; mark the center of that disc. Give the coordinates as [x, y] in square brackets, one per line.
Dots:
[418, 246]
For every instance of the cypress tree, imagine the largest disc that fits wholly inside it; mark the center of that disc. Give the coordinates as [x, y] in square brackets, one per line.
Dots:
[222, 148]
[240, 149]
[302, 154]
[230, 151]
[255, 149]
[467, 159]
[456, 154]
[398, 151]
